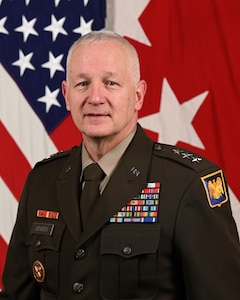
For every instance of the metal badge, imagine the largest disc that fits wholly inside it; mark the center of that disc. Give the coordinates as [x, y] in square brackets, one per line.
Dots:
[38, 271]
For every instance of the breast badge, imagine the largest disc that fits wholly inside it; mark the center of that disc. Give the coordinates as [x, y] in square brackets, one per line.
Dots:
[214, 185]
[38, 271]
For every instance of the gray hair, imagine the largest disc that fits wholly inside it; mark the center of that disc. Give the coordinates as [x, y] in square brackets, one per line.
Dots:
[104, 35]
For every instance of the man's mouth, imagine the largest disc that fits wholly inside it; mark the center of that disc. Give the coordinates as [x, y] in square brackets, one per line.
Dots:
[96, 116]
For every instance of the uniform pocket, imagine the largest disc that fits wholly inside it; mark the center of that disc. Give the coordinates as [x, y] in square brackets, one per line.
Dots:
[43, 243]
[129, 261]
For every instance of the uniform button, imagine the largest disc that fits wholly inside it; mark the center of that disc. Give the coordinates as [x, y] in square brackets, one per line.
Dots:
[127, 250]
[157, 147]
[80, 253]
[77, 287]
[38, 243]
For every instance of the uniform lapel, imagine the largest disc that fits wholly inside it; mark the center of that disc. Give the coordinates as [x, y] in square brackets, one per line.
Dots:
[68, 192]
[129, 178]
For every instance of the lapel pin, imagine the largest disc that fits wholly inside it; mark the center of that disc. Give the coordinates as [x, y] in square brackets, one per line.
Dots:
[135, 171]
[68, 168]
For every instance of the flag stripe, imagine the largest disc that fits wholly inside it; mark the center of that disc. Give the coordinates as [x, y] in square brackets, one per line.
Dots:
[3, 248]
[8, 212]
[235, 205]
[22, 122]
[13, 171]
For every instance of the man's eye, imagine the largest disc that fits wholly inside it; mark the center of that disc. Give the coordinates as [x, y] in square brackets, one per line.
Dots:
[111, 83]
[83, 83]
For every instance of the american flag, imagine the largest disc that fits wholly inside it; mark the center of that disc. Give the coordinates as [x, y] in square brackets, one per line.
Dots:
[190, 58]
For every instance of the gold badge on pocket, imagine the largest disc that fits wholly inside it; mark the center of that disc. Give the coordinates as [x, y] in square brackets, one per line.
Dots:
[38, 271]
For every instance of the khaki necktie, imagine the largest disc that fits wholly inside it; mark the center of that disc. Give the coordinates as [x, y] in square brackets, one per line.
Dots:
[92, 176]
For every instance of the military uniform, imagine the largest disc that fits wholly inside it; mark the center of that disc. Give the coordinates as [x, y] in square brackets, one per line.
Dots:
[162, 229]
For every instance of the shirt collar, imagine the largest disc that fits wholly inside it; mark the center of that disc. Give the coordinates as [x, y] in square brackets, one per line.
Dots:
[110, 160]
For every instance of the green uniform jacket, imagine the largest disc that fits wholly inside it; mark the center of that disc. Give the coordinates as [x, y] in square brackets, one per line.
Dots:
[186, 247]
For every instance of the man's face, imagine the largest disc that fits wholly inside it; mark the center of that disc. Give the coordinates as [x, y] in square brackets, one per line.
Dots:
[101, 93]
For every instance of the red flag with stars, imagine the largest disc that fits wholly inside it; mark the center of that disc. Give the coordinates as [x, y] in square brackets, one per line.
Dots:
[189, 56]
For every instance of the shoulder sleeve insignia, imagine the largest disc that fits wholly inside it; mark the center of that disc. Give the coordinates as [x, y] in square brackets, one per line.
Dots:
[215, 187]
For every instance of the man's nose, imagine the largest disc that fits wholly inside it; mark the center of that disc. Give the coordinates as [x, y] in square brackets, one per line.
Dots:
[96, 94]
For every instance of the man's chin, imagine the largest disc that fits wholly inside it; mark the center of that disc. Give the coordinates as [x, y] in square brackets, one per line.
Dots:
[97, 132]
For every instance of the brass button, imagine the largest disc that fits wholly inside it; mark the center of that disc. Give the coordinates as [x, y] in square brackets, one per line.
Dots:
[127, 250]
[80, 254]
[77, 287]
[38, 243]
[157, 147]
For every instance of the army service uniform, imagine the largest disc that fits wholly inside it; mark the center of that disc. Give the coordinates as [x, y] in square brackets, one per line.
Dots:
[162, 229]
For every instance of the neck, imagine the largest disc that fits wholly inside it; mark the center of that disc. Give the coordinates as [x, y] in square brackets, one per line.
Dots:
[98, 147]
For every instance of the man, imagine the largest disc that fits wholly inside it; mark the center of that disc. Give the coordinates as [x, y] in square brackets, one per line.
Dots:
[162, 227]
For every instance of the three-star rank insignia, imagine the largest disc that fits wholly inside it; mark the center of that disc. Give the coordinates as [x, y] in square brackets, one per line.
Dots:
[215, 187]
[38, 271]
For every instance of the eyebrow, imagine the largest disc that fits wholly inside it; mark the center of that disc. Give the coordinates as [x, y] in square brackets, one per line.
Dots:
[85, 75]
[81, 75]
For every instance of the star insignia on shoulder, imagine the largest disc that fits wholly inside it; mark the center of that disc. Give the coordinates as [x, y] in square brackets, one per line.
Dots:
[187, 155]
[196, 159]
[177, 151]
[54, 154]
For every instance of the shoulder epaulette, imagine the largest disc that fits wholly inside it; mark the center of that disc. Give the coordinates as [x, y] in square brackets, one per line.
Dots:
[54, 156]
[182, 156]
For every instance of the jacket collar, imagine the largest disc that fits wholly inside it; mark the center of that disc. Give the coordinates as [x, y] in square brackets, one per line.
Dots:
[68, 184]
[129, 178]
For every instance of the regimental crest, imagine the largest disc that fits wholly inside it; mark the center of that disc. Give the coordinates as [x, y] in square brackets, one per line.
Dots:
[143, 208]
[215, 187]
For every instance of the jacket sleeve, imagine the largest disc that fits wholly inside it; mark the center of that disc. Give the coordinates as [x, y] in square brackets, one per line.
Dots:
[207, 241]
[18, 282]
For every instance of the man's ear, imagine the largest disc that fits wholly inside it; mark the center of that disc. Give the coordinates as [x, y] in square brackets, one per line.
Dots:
[140, 94]
[65, 94]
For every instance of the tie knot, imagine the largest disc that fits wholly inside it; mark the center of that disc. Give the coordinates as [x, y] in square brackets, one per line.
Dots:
[93, 172]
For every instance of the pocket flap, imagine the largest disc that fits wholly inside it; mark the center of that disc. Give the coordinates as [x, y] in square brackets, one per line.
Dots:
[43, 241]
[130, 240]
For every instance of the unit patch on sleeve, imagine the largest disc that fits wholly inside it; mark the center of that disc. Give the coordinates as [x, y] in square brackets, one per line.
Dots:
[143, 208]
[214, 185]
